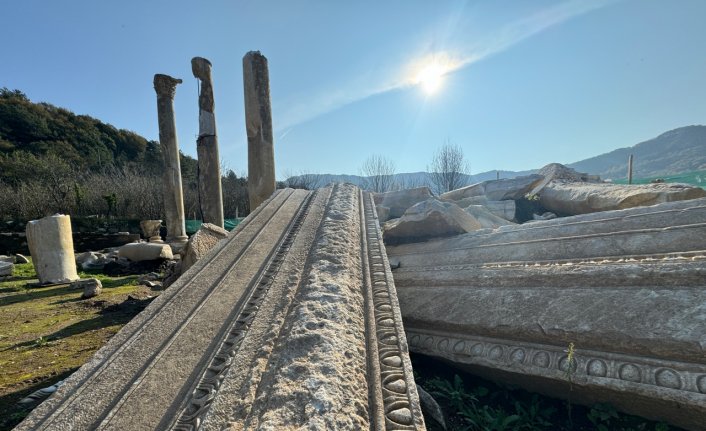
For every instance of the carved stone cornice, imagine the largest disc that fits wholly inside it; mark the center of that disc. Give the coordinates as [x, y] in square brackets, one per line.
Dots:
[290, 322]
[165, 85]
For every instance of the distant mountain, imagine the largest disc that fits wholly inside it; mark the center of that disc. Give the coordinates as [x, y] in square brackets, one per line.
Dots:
[403, 180]
[674, 152]
[679, 150]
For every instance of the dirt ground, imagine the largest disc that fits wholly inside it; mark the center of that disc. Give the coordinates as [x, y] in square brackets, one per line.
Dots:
[46, 333]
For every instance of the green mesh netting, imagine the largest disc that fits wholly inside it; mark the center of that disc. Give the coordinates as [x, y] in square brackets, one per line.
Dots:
[193, 225]
[697, 178]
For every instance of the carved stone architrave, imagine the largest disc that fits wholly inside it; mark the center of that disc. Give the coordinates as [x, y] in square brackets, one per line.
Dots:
[291, 321]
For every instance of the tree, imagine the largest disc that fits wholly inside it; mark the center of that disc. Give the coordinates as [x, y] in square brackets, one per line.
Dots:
[379, 173]
[449, 170]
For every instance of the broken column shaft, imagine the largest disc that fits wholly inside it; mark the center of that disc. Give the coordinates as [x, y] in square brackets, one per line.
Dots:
[165, 86]
[258, 123]
[210, 194]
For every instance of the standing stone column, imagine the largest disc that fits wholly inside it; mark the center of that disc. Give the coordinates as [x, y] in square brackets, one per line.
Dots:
[165, 86]
[52, 248]
[258, 123]
[210, 194]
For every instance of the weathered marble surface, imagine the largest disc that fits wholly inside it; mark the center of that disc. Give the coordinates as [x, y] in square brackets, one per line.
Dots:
[496, 190]
[669, 227]
[52, 248]
[165, 87]
[628, 288]
[258, 125]
[431, 218]
[200, 243]
[291, 322]
[571, 198]
[210, 190]
[399, 201]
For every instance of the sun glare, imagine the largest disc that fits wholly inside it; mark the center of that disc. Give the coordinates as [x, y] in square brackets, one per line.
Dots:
[430, 78]
[428, 72]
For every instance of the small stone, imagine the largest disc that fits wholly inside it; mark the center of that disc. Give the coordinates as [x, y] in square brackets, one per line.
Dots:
[6, 269]
[91, 287]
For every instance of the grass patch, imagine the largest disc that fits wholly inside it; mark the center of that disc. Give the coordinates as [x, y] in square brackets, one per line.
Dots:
[47, 332]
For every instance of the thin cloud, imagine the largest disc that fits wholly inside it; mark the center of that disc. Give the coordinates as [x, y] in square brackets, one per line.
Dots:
[451, 61]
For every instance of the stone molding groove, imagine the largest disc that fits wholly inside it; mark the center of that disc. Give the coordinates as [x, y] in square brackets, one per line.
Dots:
[391, 363]
[639, 373]
[290, 322]
[200, 399]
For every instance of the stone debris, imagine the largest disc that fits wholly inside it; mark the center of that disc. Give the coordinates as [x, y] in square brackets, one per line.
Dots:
[200, 243]
[152, 276]
[544, 216]
[6, 269]
[40, 395]
[140, 251]
[486, 218]
[91, 260]
[496, 190]
[91, 287]
[291, 322]
[430, 219]
[52, 248]
[399, 201]
[20, 259]
[573, 198]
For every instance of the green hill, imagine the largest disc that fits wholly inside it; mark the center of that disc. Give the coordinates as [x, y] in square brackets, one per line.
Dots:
[80, 140]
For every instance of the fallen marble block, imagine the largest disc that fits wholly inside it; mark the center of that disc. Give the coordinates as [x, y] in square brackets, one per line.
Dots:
[665, 228]
[430, 219]
[572, 198]
[200, 243]
[6, 269]
[52, 248]
[496, 190]
[626, 289]
[399, 201]
[637, 329]
[291, 322]
[141, 251]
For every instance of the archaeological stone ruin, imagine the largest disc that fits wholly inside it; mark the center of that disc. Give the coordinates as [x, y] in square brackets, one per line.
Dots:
[207, 147]
[165, 86]
[304, 315]
[291, 322]
[626, 287]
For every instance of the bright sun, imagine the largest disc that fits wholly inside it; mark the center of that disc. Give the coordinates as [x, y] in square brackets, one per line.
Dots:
[430, 78]
[428, 72]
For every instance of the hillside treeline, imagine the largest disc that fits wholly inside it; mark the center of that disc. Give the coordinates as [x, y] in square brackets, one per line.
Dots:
[52, 160]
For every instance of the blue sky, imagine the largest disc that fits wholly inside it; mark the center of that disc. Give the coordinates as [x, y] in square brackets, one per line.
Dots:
[524, 83]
